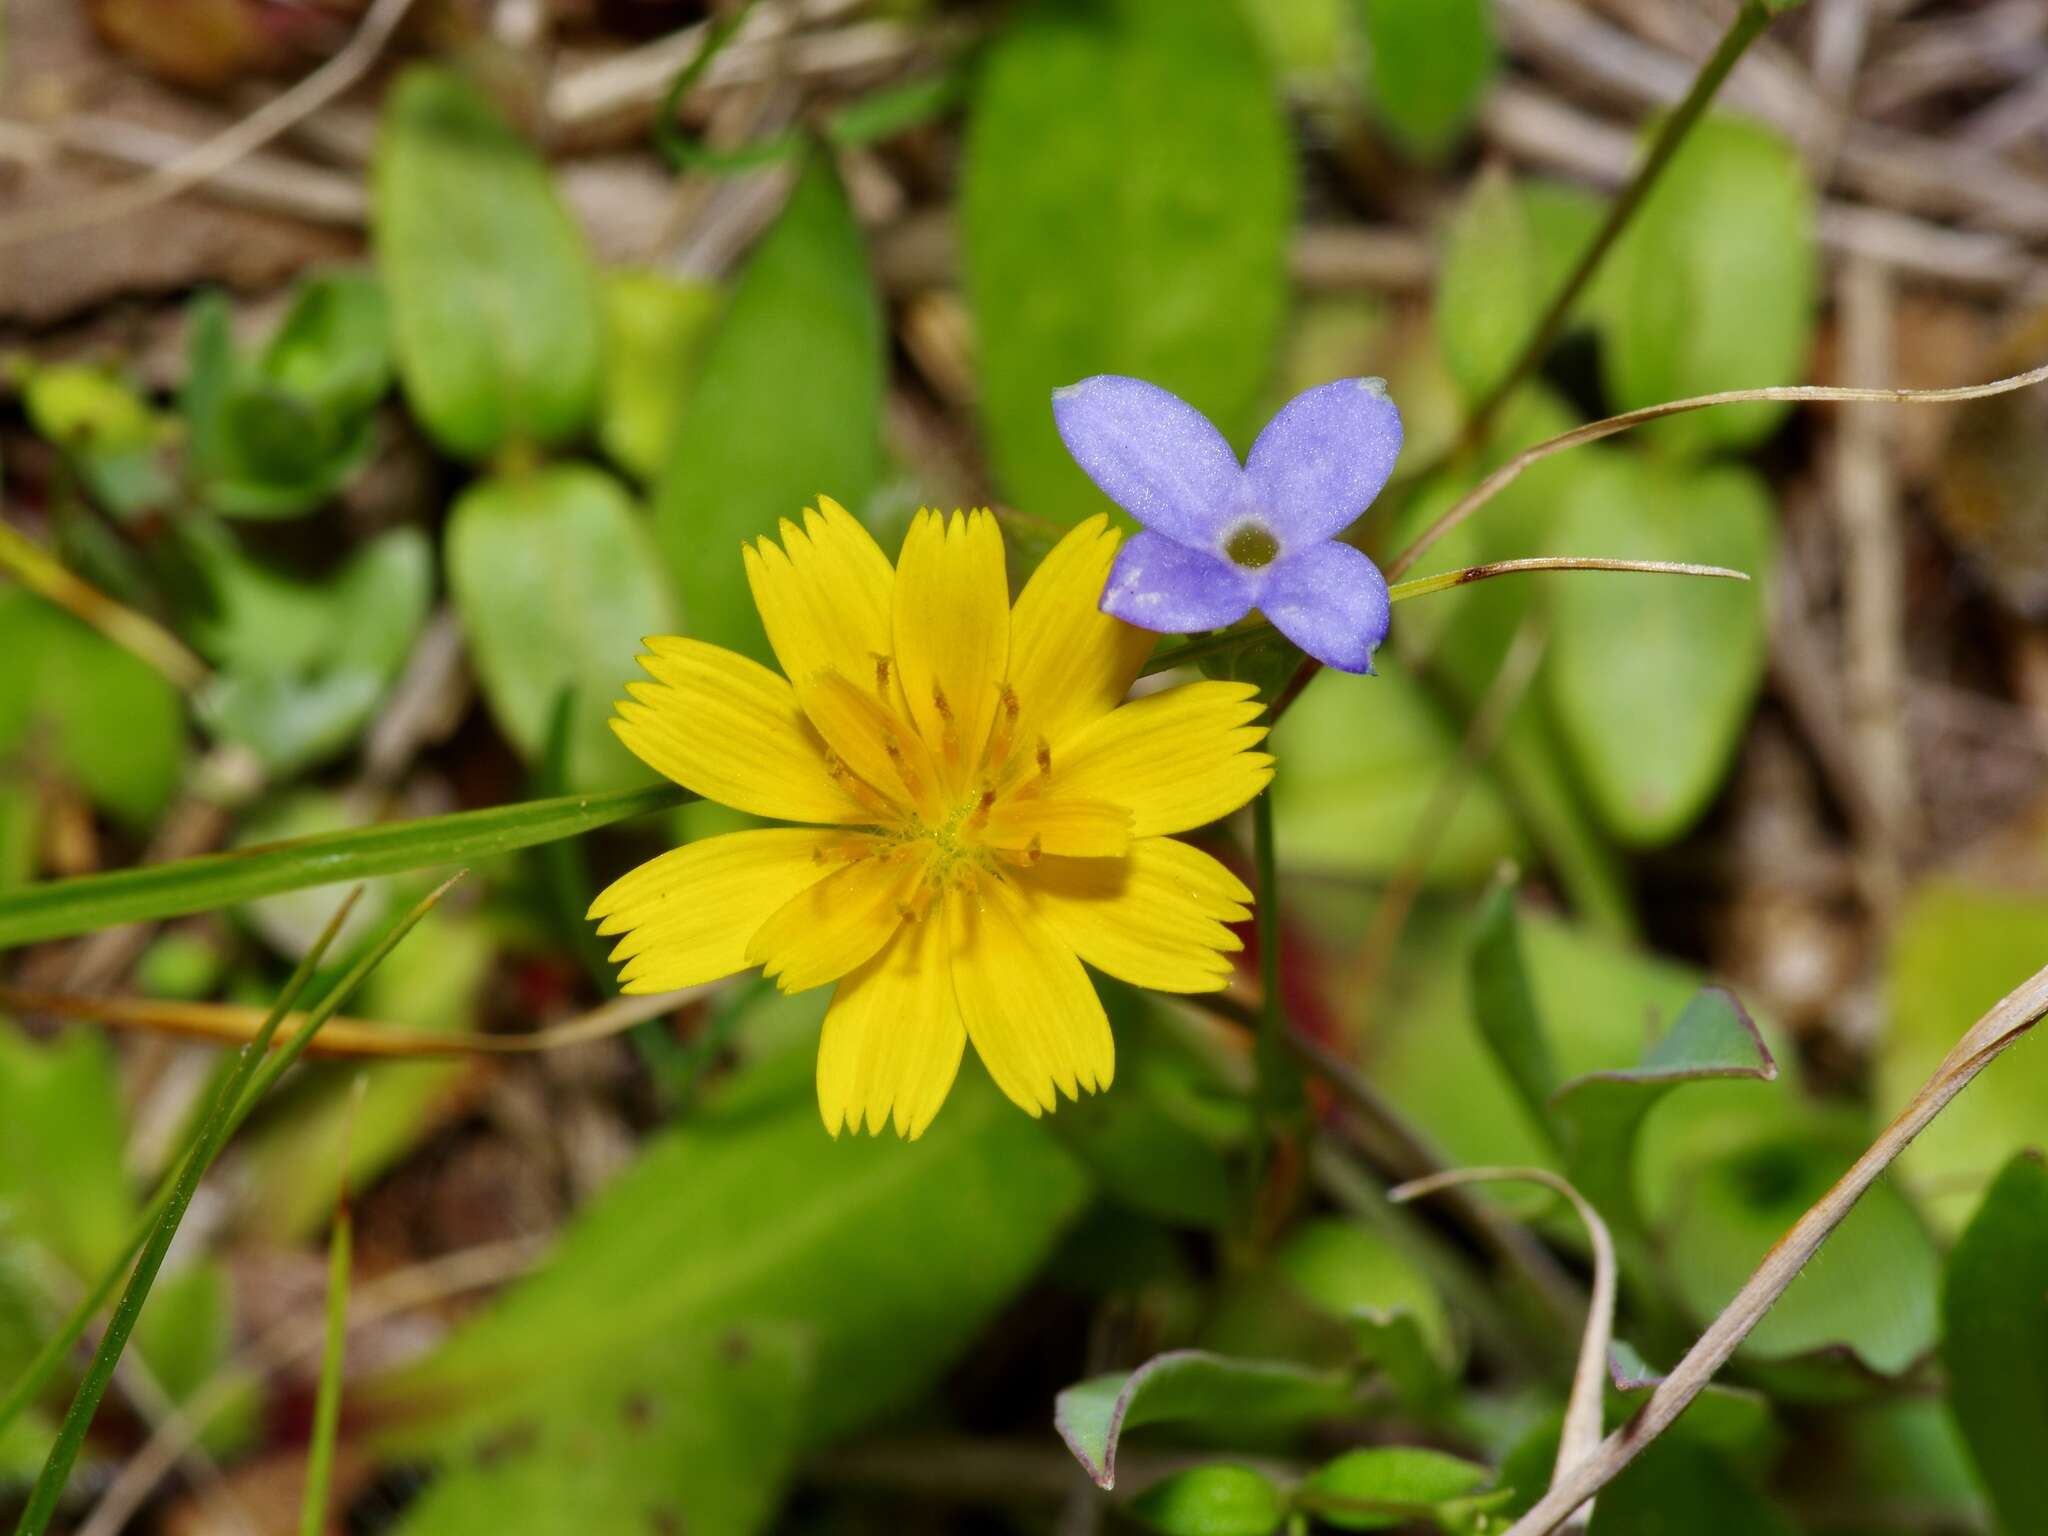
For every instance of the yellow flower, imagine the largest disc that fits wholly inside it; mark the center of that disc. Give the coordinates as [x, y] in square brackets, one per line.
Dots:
[980, 807]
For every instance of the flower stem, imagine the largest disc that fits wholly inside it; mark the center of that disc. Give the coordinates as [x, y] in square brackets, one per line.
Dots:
[1280, 1096]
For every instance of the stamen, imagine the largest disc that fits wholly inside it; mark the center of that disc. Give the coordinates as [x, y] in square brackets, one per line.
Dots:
[898, 759]
[881, 676]
[859, 788]
[951, 727]
[1044, 758]
[1023, 857]
[1005, 732]
[982, 807]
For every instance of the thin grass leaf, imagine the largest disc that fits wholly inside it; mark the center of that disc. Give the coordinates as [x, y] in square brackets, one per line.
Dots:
[213, 1132]
[327, 1403]
[60, 908]
[241, 1092]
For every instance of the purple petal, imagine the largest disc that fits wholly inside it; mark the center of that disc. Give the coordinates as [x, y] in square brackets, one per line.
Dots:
[1152, 454]
[1323, 458]
[1160, 585]
[1330, 600]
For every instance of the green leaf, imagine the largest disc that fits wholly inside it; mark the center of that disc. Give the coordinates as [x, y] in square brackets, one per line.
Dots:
[788, 407]
[152, 892]
[1955, 951]
[106, 718]
[1651, 678]
[1190, 1386]
[1389, 1486]
[63, 1178]
[692, 1434]
[1212, 1501]
[1600, 1115]
[1679, 1487]
[431, 981]
[1148, 1144]
[1109, 227]
[1870, 1290]
[1995, 1342]
[553, 572]
[1387, 733]
[1390, 1305]
[1713, 287]
[1487, 294]
[304, 664]
[495, 308]
[890, 1256]
[1428, 64]
[333, 347]
[108, 433]
[657, 328]
[1504, 1007]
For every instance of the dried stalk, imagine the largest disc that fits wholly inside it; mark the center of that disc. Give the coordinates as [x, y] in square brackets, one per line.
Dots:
[1581, 1434]
[2011, 1018]
[210, 157]
[354, 1039]
[1593, 431]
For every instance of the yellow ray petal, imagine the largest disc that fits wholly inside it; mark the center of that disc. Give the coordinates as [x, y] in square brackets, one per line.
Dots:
[1089, 829]
[1178, 759]
[1154, 918]
[827, 929]
[874, 742]
[1071, 663]
[1028, 1006]
[687, 915]
[952, 628]
[824, 595]
[730, 729]
[893, 1037]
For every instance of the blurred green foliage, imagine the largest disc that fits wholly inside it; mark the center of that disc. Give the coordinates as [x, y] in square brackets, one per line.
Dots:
[750, 1292]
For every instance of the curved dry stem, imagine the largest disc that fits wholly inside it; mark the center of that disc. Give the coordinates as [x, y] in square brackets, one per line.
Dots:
[2007, 1021]
[343, 1037]
[1580, 1438]
[1592, 432]
[208, 159]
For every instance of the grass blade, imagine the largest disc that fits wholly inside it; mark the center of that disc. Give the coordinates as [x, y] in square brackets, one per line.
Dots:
[256, 1069]
[59, 908]
[327, 1404]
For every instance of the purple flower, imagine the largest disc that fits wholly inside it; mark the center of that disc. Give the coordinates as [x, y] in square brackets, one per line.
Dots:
[1222, 539]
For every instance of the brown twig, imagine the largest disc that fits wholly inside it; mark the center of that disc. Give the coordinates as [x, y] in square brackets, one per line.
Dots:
[210, 157]
[2007, 1021]
[354, 1039]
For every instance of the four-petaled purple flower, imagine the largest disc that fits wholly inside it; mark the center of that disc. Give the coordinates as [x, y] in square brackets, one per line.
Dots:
[1221, 539]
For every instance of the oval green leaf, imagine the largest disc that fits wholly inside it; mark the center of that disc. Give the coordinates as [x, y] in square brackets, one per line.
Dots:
[1713, 286]
[1212, 1501]
[1110, 227]
[495, 305]
[1651, 678]
[554, 575]
[788, 407]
